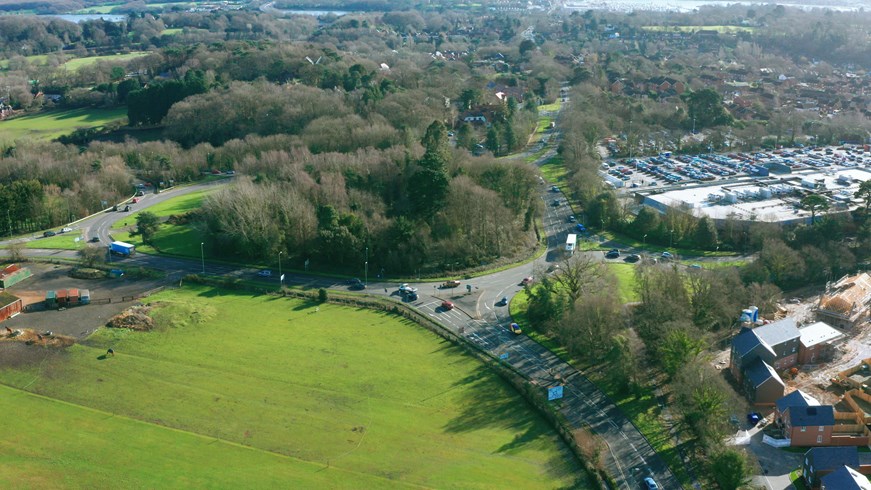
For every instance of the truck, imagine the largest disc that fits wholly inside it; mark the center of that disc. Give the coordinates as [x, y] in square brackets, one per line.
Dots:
[122, 248]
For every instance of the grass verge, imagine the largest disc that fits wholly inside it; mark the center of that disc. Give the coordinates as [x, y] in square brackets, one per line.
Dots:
[319, 391]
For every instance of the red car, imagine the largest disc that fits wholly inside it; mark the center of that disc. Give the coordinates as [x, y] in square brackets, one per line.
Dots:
[447, 305]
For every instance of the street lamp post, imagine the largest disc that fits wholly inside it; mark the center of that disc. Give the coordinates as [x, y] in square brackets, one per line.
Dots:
[671, 238]
[280, 275]
[203, 256]
[644, 241]
[366, 268]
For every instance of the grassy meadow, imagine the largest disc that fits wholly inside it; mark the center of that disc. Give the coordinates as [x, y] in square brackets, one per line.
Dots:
[76, 63]
[234, 390]
[52, 124]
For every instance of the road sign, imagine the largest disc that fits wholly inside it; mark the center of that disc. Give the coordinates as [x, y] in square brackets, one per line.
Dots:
[554, 393]
[281, 278]
[503, 356]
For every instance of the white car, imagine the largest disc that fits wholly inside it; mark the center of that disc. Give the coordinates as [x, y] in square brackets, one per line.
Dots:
[265, 273]
[66, 230]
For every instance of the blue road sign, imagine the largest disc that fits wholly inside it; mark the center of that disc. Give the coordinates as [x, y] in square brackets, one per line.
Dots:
[503, 356]
[554, 393]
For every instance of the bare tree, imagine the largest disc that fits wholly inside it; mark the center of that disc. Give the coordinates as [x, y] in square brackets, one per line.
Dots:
[16, 251]
[578, 274]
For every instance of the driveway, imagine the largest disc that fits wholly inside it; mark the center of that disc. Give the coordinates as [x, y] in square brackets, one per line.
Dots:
[776, 464]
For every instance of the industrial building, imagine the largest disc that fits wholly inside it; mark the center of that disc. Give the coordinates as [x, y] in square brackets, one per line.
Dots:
[773, 198]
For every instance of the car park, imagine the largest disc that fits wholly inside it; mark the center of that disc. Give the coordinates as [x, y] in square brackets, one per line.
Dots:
[265, 273]
[447, 305]
[515, 329]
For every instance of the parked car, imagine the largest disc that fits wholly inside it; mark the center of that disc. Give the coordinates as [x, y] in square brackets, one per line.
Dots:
[571, 219]
[632, 258]
[650, 483]
[555, 203]
[581, 227]
[447, 305]
[265, 273]
[450, 284]
[48, 234]
[503, 301]
[526, 280]
[357, 286]
[667, 256]
[554, 188]
[66, 229]
[515, 329]
[411, 296]
[612, 254]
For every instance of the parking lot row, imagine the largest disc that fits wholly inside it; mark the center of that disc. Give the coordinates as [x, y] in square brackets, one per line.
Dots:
[668, 169]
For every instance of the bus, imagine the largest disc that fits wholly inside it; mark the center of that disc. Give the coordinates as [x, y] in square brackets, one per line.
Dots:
[571, 241]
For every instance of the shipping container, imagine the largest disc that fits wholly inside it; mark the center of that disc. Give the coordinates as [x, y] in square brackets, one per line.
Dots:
[85, 296]
[50, 299]
[9, 306]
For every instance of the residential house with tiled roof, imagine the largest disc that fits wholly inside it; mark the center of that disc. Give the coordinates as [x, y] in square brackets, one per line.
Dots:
[845, 303]
[845, 478]
[820, 461]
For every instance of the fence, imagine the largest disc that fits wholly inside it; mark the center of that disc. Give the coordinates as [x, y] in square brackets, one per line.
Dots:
[775, 442]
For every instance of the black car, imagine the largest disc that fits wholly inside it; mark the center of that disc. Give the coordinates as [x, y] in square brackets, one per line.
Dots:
[49, 233]
[612, 254]
[632, 258]
[94, 239]
[357, 286]
[555, 203]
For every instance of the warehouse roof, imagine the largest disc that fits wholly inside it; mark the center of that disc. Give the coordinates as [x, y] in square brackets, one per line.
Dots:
[7, 299]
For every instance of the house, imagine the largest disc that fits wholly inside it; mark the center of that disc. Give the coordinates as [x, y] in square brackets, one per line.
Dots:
[10, 306]
[845, 478]
[817, 343]
[845, 303]
[797, 398]
[809, 426]
[820, 461]
[776, 344]
[762, 383]
[475, 118]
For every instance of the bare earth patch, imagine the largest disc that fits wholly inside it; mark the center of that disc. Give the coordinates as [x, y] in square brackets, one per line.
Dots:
[134, 318]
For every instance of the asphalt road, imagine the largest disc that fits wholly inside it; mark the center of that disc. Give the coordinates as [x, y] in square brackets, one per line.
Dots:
[476, 318]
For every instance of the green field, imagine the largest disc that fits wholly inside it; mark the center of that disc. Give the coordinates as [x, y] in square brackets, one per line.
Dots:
[172, 239]
[51, 124]
[233, 390]
[77, 63]
[171, 32]
[36, 59]
[625, 274]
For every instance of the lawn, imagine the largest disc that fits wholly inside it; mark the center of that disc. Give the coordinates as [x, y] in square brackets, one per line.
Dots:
[65, 241]
[172, 32]
[77, 63]
[172, 239]
[51, 124]
[625, 274]
[35, 59]
[319, 397]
